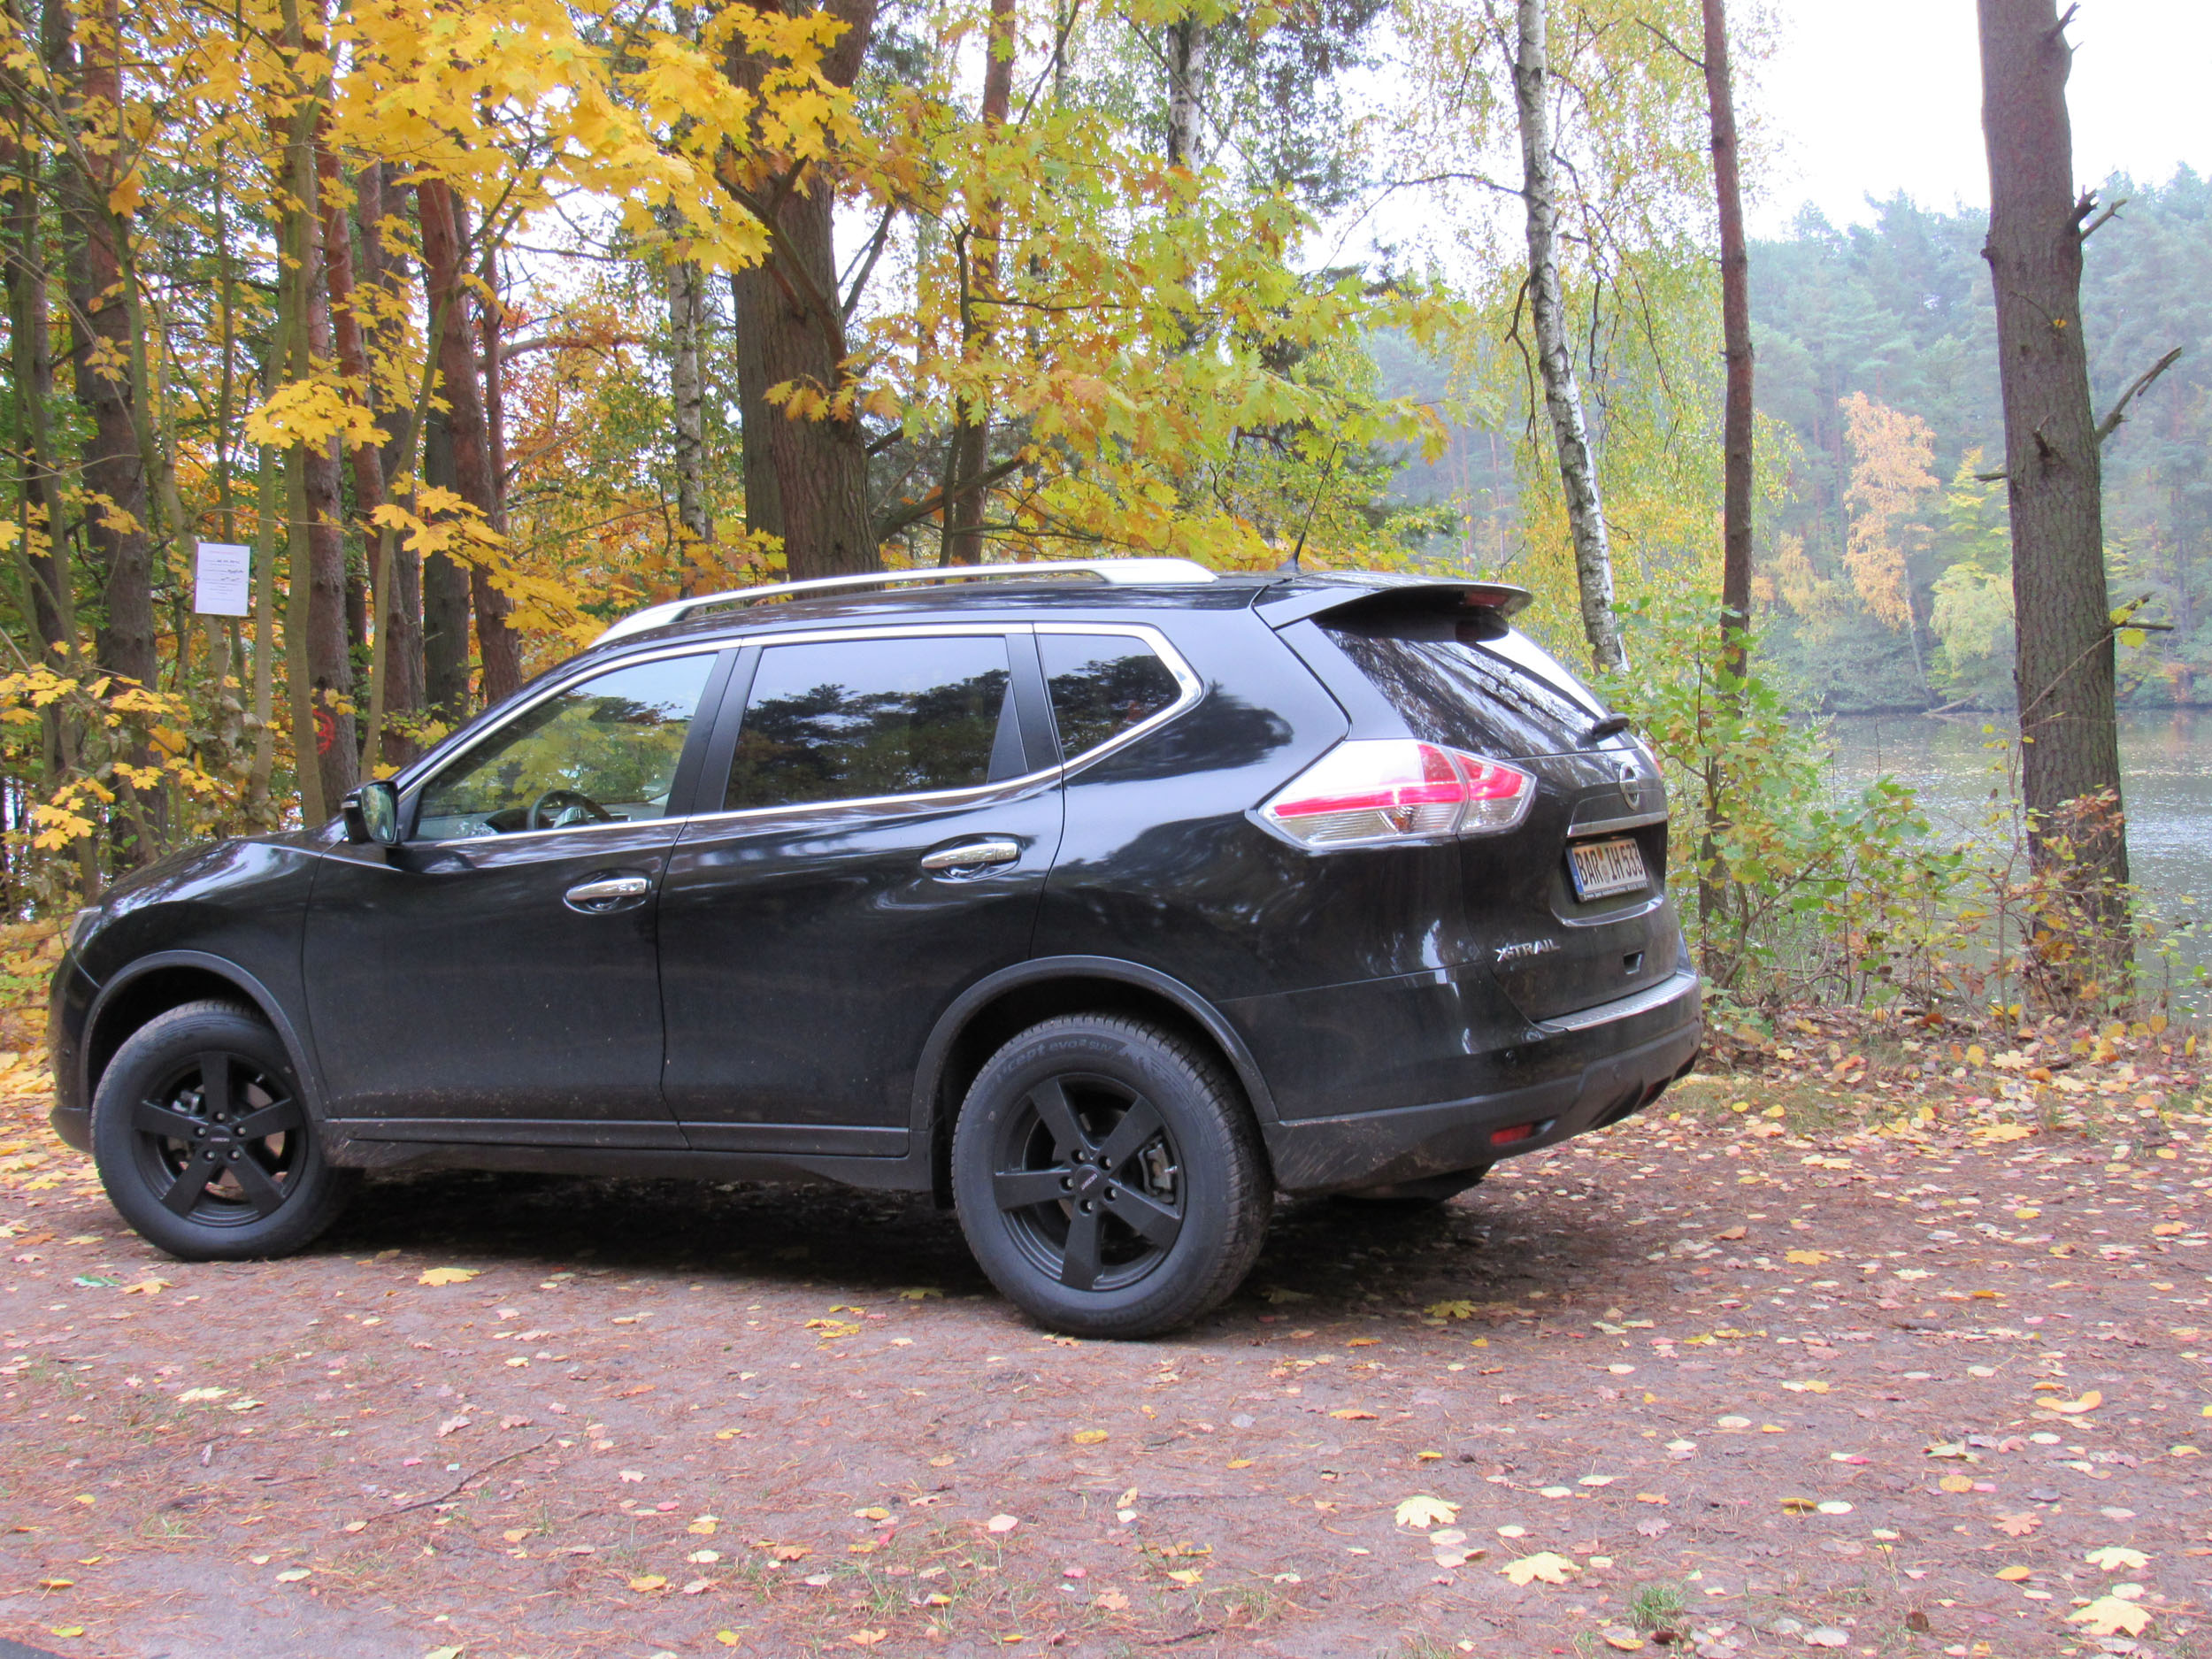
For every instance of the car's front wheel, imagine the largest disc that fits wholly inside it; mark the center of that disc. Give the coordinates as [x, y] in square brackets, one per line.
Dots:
[1107, 1176]
[204, 1143]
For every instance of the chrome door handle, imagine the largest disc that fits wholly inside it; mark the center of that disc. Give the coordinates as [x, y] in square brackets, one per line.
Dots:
[971, 856]
[607, 889]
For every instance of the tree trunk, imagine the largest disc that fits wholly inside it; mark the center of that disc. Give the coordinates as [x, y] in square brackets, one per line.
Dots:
[1186, 93]
[965, 493]
[1736, 461]
[46, 560]
[383, 270]
[686, 324]
[2052, 479]
[790, 311]
[331, 616]
[444, 233]
[1554, 352]
[751, 292]
[113, 467]
[445, 593]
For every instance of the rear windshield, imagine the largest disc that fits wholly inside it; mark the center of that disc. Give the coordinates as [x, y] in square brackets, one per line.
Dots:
[1470, 682]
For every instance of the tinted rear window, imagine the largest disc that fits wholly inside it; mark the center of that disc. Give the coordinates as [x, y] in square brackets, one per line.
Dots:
[843, 720]
[1470, 682]
[1101, 685]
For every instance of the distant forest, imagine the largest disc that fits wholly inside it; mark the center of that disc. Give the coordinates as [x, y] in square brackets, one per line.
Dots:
[1884, 568]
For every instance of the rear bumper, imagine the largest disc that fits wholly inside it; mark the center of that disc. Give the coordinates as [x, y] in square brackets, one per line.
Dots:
[1588, 1070]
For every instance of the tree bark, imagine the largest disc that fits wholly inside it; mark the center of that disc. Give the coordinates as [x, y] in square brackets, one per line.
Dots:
[686, 324]
[444, 234]
[53, 609]
[1554, 352]
[114, 470]
[383, 272]
[331, 617]
[2053, 479]
[790, 313]
[964, 494]
[1736, 461]
[751, 298]
[445, 592]
[1186, 93]
[298, 278]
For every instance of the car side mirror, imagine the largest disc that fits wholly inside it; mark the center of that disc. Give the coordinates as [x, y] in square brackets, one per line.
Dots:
[371, 814]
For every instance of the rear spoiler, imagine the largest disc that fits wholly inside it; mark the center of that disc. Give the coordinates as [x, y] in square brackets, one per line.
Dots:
[1379, 590]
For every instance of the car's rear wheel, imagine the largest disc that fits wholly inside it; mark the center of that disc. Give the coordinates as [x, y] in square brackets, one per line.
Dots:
[1108, 1177]
[205, 1142]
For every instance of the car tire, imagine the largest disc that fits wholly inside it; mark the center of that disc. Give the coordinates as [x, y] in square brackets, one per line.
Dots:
[223, 1173]
[1108, 1177]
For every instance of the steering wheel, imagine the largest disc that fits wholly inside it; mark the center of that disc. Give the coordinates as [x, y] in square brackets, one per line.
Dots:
[561, 801]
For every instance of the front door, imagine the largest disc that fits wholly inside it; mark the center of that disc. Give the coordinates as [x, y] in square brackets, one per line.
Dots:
[493, 978]
[885, 837]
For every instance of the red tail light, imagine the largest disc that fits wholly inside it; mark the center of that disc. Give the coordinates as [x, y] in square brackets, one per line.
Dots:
[1374, 792]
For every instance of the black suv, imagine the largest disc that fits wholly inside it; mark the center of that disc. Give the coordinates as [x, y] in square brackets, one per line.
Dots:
[1102, 901]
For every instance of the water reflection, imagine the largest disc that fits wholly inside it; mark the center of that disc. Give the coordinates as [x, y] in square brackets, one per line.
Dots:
[1958, 770]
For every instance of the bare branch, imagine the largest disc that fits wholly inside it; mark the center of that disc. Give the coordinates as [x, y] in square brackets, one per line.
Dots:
[2110, 423]
[2112, 210]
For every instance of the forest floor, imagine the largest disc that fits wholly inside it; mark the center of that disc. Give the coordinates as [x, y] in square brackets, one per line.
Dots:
[1834, 1351]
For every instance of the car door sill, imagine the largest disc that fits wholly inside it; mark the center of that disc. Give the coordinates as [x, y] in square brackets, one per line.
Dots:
[800, 1139]
[527, 1132]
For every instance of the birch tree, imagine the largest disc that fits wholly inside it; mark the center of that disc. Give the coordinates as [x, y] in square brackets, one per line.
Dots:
[1554, 351]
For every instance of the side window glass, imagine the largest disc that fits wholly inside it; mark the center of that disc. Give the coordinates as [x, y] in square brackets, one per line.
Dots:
[844, 719]
[603, 751]
[1102, 684]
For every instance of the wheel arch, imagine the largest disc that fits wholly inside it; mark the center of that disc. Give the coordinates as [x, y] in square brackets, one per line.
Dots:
[997, 1007]
[153, 985]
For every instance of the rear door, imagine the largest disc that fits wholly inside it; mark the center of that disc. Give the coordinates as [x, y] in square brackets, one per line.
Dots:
[1572, 908]
[890, 811]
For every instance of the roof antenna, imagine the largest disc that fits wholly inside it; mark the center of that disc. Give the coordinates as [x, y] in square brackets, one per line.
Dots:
[1291, 565]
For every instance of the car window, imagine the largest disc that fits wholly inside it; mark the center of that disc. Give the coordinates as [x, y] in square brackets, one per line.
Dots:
[603, 750]
[1102, 684]
[843, 719]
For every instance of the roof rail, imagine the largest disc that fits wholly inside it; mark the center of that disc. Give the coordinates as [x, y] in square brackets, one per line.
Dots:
[1123, 572]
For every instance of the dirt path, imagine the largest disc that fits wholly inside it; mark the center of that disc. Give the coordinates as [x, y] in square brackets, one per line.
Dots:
[1931, 1390]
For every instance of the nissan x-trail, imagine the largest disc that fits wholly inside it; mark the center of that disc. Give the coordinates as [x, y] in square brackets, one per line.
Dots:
[1103, 902]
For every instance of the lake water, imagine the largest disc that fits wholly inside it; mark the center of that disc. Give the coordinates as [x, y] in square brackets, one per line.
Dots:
[2165, 781]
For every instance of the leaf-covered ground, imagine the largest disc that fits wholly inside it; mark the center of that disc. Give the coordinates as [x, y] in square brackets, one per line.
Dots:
[1889, 1371]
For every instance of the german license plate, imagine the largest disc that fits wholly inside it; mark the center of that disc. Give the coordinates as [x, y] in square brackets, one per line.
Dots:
[1601, 869]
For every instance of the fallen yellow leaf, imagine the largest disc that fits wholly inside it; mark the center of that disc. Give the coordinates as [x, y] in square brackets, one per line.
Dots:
[1089, 1437]
[2014, 1575]
[1806, 1258]
[446, 1275]
[1424, 1511]
[650, 1582]
[1353, 1414]
[1546, 1565]
[1956, 1483]
[2089, 1401]
[2109, 1616]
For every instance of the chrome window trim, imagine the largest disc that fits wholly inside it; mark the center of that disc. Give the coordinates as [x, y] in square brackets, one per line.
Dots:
[975, 795]
[1190, 690]
[434, 765]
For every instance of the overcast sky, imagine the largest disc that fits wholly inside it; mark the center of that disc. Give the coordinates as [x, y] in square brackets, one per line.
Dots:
[1876, 95]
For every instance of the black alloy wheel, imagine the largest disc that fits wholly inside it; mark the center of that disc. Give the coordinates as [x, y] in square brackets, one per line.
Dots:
[205, 1142]
[1087, 1177]
[220, 1139]
[1108, 1177]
